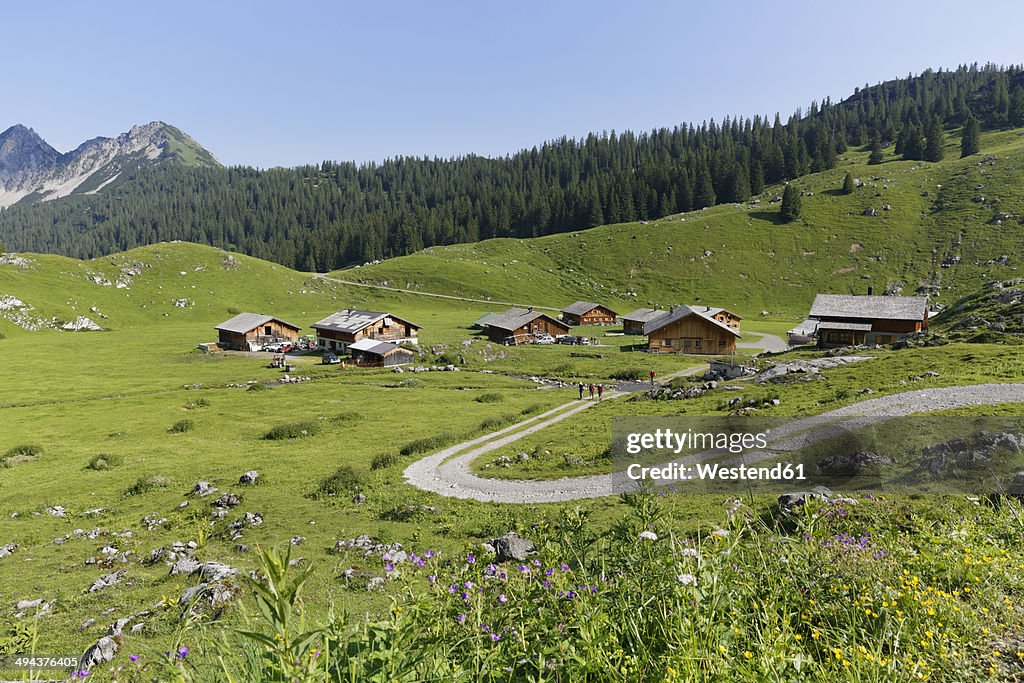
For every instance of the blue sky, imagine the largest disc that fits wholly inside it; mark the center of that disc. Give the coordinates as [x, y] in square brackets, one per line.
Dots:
[277, 83]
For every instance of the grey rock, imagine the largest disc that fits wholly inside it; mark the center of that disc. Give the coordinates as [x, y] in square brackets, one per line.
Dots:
[203, 488]
[101, 652]
[298, 540]
[216, 571]
[359, 499]
[791, 502]
[249, 478]
[228, 500]
[375, 583]
[107, 581]
[845, 464]
[185, 566]
[8, 549]
[512, 547]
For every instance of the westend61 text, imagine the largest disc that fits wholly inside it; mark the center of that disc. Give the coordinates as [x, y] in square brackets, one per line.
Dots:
[714, 472]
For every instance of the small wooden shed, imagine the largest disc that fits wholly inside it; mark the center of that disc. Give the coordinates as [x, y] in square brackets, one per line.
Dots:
[634, 321]
[517, 326]
[250, 331]
[688, 329]
[380, 354]
[588, 313]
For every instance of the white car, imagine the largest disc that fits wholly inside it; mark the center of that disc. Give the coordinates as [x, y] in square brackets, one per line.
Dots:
[544, 339]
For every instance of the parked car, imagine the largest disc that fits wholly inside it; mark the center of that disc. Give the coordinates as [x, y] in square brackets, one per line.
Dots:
[274, 347]
[330, 359]
[287, 346]
[566, 339]
[543, 339]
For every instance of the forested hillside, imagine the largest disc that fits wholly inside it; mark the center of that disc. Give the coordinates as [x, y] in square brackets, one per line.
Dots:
[336, 214]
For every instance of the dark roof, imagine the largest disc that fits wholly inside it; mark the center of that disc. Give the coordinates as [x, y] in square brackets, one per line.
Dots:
[245, 322]
[680, 312]
[515, 318]
[871, 307]
[581, 307]
[643, 315]
[807, 327]
[353, 320]
[487, 318]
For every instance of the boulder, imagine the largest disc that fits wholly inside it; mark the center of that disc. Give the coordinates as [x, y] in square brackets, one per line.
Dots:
[228, 500]
[249, 478]
[203, 488]
[791, 502]
[8, 549]
[102, 651]
[185, 565]
[107, 581]
[512, 547]
[849, 464]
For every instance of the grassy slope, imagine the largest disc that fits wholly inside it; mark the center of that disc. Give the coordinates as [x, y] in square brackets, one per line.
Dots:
[758, 264]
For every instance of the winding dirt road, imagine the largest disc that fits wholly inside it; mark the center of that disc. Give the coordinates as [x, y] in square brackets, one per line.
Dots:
[448, 472]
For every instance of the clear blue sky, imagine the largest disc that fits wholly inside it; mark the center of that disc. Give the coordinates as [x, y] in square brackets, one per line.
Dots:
[278, 83]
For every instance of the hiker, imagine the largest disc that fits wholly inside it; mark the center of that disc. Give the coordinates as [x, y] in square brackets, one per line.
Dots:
[600, 390]
[591, 392]
[653, 374]
[581, 391]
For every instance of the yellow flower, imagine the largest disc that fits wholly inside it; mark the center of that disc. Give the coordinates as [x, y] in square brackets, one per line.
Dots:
[798, 636]
[748, 654]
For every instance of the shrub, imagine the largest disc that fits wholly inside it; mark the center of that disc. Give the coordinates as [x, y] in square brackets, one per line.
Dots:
[344, 480]
[429, 443]
[30, 450]
[383, 460]
[493, 423]
[630, 374]
[105, 461]
[148, 483]
[182, 426]
[294, 430]
[198, 403]
[258, 387]
[532, 408]
[490, 397]
[233, 311]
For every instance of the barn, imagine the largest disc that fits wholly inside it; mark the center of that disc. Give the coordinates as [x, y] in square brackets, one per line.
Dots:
[517, 326]
[634, 321]
[251, 331]
[852, 320]
[687, 329]
[380, 354]
[588, 313]
[338, 331]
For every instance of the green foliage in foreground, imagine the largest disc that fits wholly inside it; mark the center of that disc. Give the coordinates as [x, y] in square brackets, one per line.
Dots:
[868, 590]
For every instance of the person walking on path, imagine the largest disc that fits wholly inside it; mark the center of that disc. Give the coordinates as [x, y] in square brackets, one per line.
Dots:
[581, 391]
[653, 375]
[591, 392]
[600, 390]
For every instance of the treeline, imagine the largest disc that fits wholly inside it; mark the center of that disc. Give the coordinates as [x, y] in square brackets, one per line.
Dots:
[336, 214]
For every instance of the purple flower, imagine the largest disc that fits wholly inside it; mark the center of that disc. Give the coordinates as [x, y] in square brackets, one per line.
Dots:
[495, 637]
[419, 562]
[386, 557]
[536, 563]
[134, 658]
[564, 567]
[546, 583]
[461, 618]
[491, 569]
[471, 559]
[503, 576]
[429, 554]
[468, 585]
[485, 628]
[389, 567]
[502, 599]
[453, 589]
[182, 652]
[465, 597]
[431, 579]
[524, 569]
[549, 571]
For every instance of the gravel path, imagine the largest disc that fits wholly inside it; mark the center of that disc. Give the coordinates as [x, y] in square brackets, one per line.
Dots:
[767, 342]
[489, 302]
[452, 476]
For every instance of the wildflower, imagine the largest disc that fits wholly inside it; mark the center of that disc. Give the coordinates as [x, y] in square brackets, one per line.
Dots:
[464, 596]
[649, 535]
[461, 618]
[546, 583]
[549, 571]
[495, 637]
[536, 563]
[721, 533]
[502, 599]
[748, 654]
[471, 559]
[429, 554]
[491, 569]
[453, 589]
[389, 567]
[134, 658]
[485, 628]
[431, 579]
[182, 652]
[564, 567]
[523, 569]
[468, 585]
[689, 552]
[687, 579]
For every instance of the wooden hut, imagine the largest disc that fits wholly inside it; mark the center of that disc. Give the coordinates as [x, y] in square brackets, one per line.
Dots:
[689, 329]
[851, 320]
[634, 321]
[338, 331]
[516, 326]
[251, 331]
[380, 354]
[588, 313]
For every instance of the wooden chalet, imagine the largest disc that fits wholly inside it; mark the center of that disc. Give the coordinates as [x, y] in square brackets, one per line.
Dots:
[854, 320]
[691, 329]
[634, 321]
[380, 354]
[518, 326]
[338, 331]
[588, 313]
[251, 331]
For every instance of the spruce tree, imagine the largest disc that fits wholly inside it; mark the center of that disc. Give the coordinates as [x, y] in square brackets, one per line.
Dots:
[791, 203]
[970, 142]
[933, 141]
[848, 184]
[876, 149]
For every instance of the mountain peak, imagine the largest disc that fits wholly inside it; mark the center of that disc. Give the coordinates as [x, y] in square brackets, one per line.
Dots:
[30, 166]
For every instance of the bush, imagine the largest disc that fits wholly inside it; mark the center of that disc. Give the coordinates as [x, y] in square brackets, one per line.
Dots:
[258, 387]
[105, 461]
[148, 483]
[630, 374]
[532, 408]
[182, 426]
[344, 480]
[198, 403]
[429, 443]
[383, 461]
[498, 422]
[30, 450]
[294, 430]
[490, 397]
[233, 311]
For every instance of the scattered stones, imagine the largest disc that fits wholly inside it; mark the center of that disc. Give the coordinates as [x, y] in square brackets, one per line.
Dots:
[375, 583]
[38, 607]
[107, 581]
[974, 452]
[57, 511]
[216, 595]
[871, 211]
[8, 549]
[512, 547]
[793, 502]
[806, 366]
[152, 521]
[249, 478]
[298, 540]
[367, 546]
[185, 565]
[81, 324]
[228, 500]
[849, 464]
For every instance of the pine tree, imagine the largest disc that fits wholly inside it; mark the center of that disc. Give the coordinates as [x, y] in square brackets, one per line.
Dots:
[876, 149]
[933, 141]
[848, 184]
[791, 203]
[970, 142]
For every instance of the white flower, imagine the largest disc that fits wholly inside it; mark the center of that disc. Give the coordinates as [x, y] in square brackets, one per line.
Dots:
[721, 532]
[689, 552]
[649, 535]
[687, 579]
